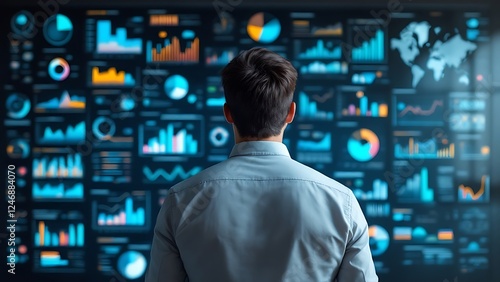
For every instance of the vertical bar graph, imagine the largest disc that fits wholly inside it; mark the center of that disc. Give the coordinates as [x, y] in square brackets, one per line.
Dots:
[118, 43]
[361, 106]
[430, 149]
[173, 135]
[380, 191]
[71, 235]
[309, 109]
[69, 166]
[125, 216]
[372, 50]
[170, 51]
[167, 142]
[321, 50]
[416, 188]
[127, 211]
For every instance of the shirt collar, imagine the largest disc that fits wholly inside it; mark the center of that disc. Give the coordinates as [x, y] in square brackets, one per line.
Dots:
[259, 148]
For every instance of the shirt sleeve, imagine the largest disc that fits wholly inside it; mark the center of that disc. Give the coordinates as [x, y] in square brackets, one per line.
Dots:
[165, 263]
[357, 264]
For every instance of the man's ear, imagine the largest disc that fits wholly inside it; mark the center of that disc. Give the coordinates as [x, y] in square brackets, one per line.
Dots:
[291, 113]
[227, 114]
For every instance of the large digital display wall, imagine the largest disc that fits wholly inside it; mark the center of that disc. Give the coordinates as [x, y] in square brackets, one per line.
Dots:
[104, 110]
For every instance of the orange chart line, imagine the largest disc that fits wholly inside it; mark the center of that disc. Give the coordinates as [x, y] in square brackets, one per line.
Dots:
[468, 190]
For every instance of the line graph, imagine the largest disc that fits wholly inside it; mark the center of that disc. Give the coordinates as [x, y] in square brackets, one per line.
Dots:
[418, 111]
[467, 194]
[163, 176]
[413, 110]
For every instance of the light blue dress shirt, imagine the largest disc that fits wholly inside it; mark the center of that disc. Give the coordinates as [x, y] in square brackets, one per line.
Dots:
[260, 216]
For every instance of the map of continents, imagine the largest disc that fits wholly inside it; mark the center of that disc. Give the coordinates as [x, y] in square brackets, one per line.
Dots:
[448, 52]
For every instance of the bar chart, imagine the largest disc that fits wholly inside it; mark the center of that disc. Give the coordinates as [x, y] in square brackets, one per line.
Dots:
[118, 43]
[372, 50]
[170, 51]
[115, 210]
[308, 109]
[416, 188]
[428, 149]
[358, 104]
[320, 50]
[68, 166]
[70, 235]
[172, 137]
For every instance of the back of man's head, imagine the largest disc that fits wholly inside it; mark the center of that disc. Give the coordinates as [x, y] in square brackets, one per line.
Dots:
[259, 85]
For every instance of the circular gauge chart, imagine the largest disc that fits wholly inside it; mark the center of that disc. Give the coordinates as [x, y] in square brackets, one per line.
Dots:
[219, 136]
[58, 30]
[363, 145]
[127, 103]
[22, 23]
[58, 69]
[103, 128]
[132, 264]
[176, 87]
[379, 240]
[18, 149]
[263, 27]
[18, 106]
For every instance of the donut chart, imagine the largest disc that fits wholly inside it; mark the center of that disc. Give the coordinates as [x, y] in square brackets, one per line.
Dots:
[58, 69]
[263, 27]
[363, 145]
[379, 239]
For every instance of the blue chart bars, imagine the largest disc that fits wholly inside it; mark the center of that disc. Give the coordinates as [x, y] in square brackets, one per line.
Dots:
[416, 188]
[309, 109]
[106, 109]
[372, 50]
[110, 43]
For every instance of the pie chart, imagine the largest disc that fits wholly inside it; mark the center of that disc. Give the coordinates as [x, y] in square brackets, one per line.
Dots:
[379, 239]
[176, 87]
[58, 30]
[363, 145]
[132, 264]
[18, 106]
[263, 27]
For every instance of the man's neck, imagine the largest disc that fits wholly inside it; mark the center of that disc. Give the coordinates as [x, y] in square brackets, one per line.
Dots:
[277, 138]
